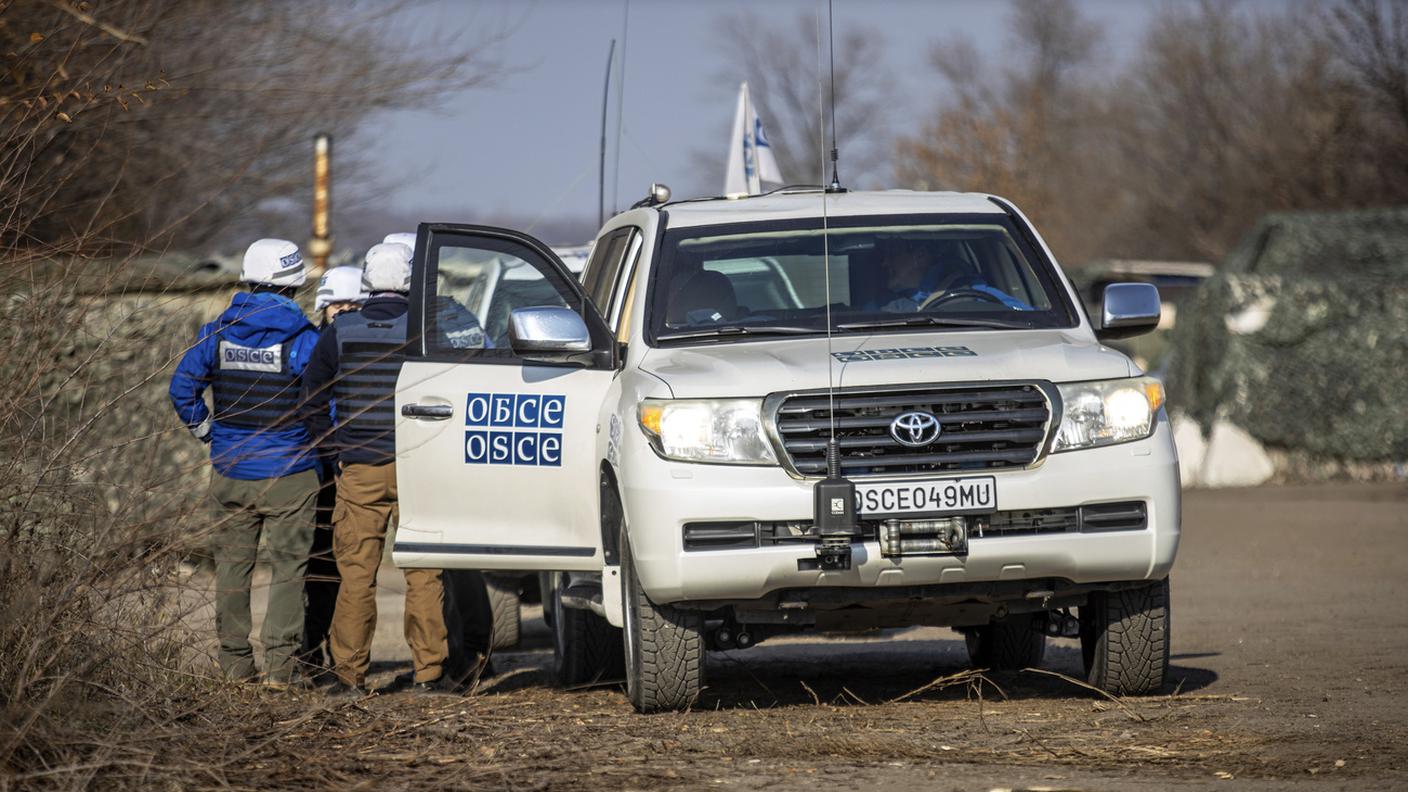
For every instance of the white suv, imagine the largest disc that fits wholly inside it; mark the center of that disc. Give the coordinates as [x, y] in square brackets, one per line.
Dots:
[656, 437]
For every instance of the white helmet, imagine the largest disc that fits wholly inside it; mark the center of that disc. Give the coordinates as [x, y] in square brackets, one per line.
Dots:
[273, 262]
[387, 269]
[339, 284]
[407, 238]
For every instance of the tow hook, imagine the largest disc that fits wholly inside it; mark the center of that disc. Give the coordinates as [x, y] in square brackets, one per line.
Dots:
[731, 636]
[1061, 624]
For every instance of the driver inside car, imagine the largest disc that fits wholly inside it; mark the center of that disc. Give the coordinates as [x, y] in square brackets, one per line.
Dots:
[915, 282]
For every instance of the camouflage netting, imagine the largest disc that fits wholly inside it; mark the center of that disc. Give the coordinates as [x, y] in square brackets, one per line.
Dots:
[1302, 338]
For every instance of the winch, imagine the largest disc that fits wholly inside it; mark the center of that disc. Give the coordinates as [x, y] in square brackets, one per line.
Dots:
[940, 535]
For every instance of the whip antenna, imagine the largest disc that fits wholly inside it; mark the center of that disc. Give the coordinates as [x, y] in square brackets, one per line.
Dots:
[831, 51]
[833, 464]
[601, 170]
[834, 497]
[620, 101]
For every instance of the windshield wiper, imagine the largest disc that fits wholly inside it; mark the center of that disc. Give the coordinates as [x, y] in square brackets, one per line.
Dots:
[750, 330]
[921, 320]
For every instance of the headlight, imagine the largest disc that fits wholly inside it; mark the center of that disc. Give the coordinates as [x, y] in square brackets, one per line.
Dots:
[1107, 412]
[725, 431]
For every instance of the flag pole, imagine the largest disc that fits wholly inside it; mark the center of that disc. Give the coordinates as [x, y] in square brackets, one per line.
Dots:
[601, 171]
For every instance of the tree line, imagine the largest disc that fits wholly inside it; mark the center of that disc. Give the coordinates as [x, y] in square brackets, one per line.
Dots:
[1224, 112]
[146, 124]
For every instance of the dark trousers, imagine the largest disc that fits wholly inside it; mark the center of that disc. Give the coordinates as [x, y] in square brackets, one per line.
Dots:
[281, 511]
[320, 590]
[468, 620]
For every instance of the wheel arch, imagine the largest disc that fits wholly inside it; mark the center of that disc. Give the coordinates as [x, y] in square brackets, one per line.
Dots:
[611, 511]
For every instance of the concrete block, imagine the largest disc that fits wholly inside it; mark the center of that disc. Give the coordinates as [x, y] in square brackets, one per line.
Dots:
[1234, 459]
[1192, 450]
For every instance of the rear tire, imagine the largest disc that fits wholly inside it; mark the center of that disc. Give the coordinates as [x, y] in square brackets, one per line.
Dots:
[1124, 639]
[664, 646]
[1008, 645]
[586, 648]
[503, 601]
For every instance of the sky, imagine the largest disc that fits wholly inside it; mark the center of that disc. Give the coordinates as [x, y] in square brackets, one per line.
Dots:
[527, 147]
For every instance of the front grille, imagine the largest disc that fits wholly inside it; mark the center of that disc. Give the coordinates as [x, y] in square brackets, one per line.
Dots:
[982, 428]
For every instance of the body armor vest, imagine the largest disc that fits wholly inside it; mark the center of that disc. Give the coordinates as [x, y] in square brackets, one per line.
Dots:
[370, 353]
[254, 387]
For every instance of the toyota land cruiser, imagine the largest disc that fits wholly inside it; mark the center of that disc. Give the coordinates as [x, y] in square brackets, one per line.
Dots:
[803, 410]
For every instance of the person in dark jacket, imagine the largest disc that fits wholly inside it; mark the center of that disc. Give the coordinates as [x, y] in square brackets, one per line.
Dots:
[469, 617]
[264, 479]
[339, 290]
[356, 363]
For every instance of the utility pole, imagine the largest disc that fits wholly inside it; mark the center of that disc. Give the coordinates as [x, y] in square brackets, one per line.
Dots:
[320, 246]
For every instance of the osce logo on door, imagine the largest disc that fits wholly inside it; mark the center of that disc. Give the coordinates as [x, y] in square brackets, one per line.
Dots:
[514, 429]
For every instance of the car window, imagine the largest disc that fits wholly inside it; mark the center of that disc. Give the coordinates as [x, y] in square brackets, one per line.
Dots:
[480, 286]
[599, 279]
[923, 270]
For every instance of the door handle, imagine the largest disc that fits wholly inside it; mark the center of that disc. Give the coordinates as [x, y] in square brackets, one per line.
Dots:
[435, 412]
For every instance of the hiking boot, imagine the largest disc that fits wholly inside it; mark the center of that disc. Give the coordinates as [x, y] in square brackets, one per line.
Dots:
[440, 686]
[340, 689]
[294, 681]
[480, 668]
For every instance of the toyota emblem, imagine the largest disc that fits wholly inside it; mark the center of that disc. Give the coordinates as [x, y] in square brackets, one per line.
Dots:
[915, 428]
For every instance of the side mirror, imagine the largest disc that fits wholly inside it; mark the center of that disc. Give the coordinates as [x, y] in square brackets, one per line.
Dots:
[1128, 309]
[548, 333]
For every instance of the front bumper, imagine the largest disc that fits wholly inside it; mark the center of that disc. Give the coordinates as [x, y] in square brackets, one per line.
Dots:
[661, 496]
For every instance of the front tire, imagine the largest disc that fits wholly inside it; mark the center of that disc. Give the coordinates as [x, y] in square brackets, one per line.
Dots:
[1008, 645]
[1124, 639]
[664, 646]
[586, 649]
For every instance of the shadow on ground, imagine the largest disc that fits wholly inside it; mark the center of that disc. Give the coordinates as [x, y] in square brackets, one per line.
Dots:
[901, 665]
[898, 668]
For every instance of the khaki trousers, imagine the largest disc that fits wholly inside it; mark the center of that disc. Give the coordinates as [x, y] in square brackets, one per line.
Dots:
[282, 510]
[366, 502]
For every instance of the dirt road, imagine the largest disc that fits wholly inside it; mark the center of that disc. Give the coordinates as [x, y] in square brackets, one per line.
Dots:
[1290, 663]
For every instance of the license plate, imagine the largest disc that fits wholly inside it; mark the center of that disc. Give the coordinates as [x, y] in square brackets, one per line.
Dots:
[972, 495]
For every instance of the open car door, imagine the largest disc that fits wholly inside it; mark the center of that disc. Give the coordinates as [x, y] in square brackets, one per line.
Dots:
[497, 410]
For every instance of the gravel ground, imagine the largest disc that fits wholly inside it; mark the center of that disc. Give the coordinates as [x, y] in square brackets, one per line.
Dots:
[1289, 671]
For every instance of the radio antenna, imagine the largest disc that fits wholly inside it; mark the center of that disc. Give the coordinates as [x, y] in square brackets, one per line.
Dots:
[832, 457]
[620, 102]
[835, 185]
[834, 497]
[601, 168]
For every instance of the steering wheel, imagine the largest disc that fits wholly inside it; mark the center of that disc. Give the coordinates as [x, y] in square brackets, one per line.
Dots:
[939, 298]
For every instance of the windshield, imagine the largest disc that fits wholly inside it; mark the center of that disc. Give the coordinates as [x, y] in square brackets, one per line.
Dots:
[969, 271]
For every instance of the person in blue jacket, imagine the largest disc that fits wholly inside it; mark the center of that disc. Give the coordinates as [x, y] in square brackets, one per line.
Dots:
[264, 478]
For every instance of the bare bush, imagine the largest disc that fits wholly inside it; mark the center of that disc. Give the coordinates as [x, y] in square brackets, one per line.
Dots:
[155, 122]
[124, 127]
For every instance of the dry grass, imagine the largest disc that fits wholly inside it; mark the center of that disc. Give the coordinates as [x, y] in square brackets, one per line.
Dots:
[537, 738]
